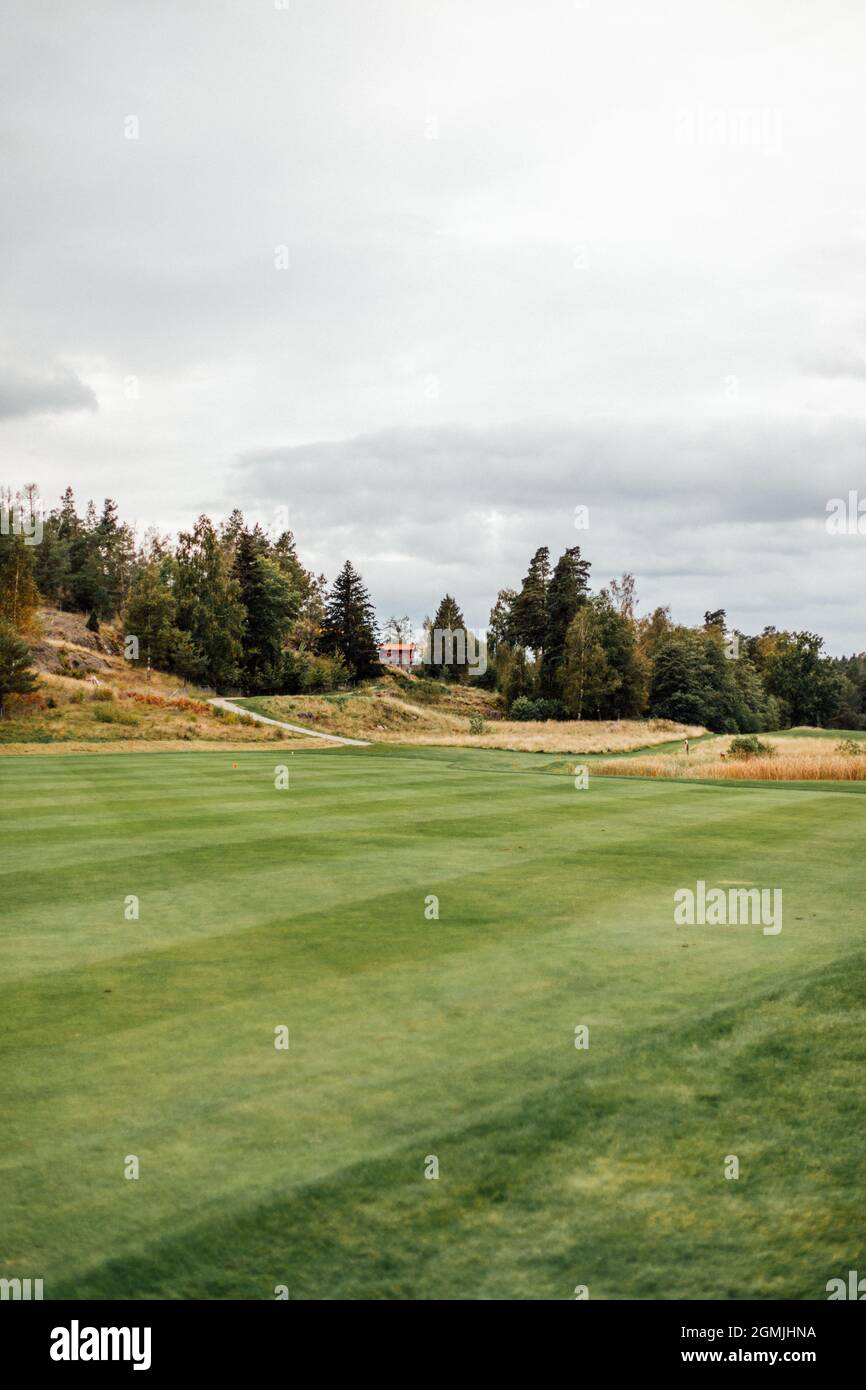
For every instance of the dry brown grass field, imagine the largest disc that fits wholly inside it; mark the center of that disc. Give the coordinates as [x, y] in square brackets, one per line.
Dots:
[410, 710]
[795, 759]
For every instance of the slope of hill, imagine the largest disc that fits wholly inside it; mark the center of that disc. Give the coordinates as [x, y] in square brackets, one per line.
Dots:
[410, 709]
[91, 699]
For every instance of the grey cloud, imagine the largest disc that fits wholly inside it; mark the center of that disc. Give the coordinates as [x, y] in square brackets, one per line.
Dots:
[557, 255]
[43, 393]
[730, 515]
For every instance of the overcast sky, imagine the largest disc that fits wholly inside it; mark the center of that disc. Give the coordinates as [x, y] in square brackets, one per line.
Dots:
[430, 274]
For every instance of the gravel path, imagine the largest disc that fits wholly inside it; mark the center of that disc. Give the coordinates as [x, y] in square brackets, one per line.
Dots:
[295, 728]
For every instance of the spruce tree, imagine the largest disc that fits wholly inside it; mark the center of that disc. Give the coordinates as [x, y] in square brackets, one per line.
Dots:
[270, 605]
[151, 616]
[446, 652]
[16, 676]
[566, 593]
[350, 624]
[529, 609]
[209, 606]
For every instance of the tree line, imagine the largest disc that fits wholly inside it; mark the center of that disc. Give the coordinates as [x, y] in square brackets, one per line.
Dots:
[559, 651]
[226, 606]
[231, 607]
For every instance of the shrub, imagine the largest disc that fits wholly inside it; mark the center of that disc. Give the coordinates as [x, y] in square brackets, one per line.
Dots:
[523, 708]
[113, 714]
[750, 746]
[476, 724]
[850, 747]
[181, 702]
[101, 693]
[309, 673]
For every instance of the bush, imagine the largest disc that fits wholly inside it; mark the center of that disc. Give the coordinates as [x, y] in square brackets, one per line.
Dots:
[181, 702]
[306, 673]
[523, 708]
[101, 693]
[113, 714]
[850, 746]
[750, 746]
[476, 724]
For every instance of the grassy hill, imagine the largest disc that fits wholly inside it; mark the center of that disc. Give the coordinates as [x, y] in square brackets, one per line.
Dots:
[403, 708]
[90, 699]
[412, 1037]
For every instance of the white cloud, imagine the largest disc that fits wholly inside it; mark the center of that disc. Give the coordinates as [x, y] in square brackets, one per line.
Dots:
[638, 221]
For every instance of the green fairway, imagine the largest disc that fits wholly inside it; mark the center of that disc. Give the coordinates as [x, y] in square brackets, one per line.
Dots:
[412, 1037]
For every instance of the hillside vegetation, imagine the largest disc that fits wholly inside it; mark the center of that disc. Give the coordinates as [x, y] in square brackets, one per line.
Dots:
[90, 698]
[404, 708]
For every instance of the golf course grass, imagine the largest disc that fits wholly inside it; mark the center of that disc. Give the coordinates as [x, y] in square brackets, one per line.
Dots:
[409, 1038]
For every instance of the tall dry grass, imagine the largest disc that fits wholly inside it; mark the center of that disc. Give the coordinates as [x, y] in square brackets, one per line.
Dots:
[584, 736]
[797, 760]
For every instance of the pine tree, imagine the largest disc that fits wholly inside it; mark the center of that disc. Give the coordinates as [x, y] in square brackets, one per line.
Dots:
[51, 562]
[209, 606]
[69, 523]
[151, 616]
[115, 544]
[16, 676]
[285, 553]
[350, 624]
[270, 605]
[529, 609]
[566, 593]
[450, 644]
[678, 687]
[87, 587]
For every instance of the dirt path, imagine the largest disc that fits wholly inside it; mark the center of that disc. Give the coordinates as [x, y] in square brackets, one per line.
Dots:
[295, 728]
